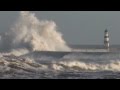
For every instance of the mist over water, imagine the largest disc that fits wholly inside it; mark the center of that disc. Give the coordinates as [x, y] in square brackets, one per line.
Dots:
[31, 34]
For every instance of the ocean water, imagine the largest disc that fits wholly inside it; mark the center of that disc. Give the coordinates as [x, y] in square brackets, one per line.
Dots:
[35, 49]
[62, 65]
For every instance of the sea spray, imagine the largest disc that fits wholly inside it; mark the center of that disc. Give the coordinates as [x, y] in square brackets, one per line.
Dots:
[32, 34]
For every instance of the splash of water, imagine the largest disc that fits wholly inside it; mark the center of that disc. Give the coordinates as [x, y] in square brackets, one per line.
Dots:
[34, 35]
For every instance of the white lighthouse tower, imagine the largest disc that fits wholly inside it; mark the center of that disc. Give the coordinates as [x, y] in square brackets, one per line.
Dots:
[106, 40]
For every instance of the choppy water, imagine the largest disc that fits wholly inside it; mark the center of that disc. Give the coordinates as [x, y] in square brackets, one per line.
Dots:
[61, 65]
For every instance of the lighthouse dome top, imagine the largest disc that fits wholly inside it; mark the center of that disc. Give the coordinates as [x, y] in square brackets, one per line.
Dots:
[106, 30]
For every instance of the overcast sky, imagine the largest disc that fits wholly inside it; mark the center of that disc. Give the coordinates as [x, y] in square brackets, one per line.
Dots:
[77, 27]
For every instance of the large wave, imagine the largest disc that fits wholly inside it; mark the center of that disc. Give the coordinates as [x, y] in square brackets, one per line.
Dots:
[78, 61]
[26, 67]
[32, 34]
[27, 64]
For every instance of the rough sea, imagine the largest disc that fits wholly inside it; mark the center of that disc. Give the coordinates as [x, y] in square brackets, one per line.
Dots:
[90, 64]
[35, 49]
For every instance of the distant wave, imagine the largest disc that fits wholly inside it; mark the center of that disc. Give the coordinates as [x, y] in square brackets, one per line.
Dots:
[74, 55]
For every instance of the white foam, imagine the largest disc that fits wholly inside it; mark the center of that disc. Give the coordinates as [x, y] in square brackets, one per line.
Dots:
[112, 66]
[33, 34]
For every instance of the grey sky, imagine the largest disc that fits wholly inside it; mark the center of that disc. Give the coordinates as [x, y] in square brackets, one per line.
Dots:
[78, 27]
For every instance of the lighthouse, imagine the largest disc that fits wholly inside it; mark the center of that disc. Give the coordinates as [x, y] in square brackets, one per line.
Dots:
[106, 40]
